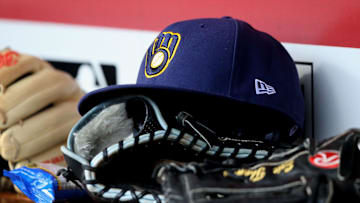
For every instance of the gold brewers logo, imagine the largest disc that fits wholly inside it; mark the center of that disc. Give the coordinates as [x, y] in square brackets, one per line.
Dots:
[160, 53]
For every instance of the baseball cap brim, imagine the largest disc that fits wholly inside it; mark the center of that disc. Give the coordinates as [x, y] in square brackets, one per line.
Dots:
[178, 97]
[96, 97]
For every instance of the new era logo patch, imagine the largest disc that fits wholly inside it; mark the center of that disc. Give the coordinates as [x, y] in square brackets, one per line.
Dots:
[262, 88]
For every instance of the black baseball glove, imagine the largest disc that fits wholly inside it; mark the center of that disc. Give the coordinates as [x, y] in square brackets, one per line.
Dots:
[113, 150]
[330, 175]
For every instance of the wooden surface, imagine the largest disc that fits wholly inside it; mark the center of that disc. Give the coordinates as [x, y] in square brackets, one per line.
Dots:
[8, 197]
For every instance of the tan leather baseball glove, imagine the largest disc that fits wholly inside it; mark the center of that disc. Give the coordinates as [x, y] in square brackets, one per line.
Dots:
[37, 108]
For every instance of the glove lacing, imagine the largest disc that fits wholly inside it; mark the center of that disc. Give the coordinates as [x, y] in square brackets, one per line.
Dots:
[69, 176]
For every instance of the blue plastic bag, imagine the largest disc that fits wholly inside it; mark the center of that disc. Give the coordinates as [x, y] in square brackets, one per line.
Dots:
[43, 186]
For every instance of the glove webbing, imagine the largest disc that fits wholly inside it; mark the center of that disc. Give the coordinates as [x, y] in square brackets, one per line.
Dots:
[174, 136]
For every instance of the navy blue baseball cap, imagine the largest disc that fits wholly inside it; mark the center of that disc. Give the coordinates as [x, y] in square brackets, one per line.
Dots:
[215, 59]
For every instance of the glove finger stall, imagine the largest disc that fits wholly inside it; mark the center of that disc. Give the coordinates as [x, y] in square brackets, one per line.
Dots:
[33, 93]
[18, 66]
[38, 133]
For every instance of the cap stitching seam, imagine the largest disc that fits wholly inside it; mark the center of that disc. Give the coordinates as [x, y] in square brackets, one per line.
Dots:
[234, 55]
